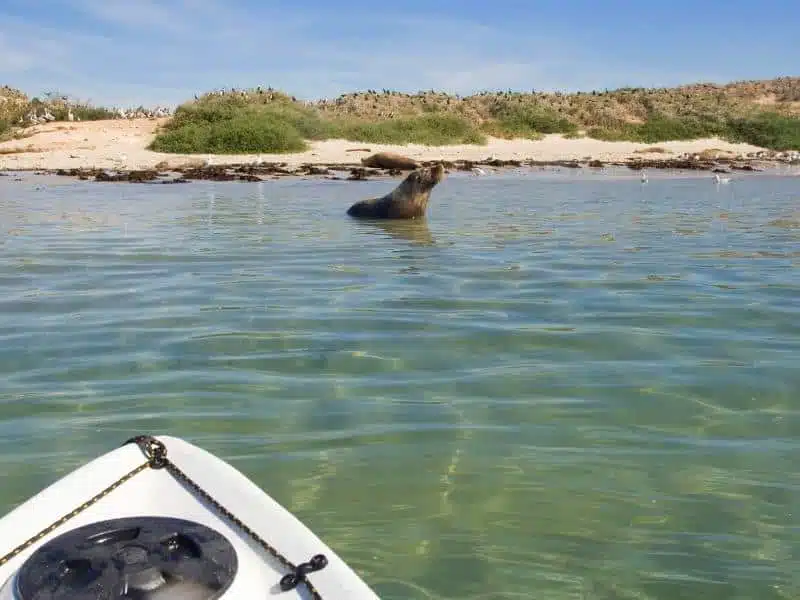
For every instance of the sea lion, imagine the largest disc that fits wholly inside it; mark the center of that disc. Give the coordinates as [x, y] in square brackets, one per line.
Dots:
[390, 160]
[409, 200]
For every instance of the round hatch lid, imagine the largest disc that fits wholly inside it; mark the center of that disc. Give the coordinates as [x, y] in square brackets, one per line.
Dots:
[141, 558]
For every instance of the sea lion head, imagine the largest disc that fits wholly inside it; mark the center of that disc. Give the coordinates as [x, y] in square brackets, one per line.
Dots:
[430, 176]
[412, 195]
[423, 180]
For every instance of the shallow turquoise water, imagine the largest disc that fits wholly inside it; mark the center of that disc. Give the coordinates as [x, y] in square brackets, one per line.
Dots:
[563, 386]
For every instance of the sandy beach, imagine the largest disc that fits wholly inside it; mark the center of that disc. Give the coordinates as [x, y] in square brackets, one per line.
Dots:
[121, 144]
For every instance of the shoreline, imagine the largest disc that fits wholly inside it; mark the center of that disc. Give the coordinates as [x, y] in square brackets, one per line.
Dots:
[116, 150]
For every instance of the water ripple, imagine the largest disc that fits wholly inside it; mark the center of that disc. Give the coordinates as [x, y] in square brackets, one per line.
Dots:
[580, 386]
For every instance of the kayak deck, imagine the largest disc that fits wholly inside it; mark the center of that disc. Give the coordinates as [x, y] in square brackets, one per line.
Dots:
[188, 483]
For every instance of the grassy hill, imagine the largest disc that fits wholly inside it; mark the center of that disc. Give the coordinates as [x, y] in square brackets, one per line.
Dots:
[765, 113]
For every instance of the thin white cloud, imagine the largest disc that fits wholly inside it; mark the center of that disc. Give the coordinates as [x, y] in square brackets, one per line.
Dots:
[14, 60]
[20, 53]
[145, 13]
[152, 52]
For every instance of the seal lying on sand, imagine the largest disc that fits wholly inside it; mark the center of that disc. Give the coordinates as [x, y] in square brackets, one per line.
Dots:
[390, 160]
[409, 200]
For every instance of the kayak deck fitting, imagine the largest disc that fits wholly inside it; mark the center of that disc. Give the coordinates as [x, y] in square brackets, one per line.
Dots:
[155, 532]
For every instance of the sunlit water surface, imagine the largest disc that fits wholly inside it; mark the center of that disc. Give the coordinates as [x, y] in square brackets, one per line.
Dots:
[562, 386]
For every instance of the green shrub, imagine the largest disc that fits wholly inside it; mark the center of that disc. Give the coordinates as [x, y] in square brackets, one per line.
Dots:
[238, 125]
[435, 129]
[81, 112]
[612, 134]
[241, 134]
[520, 121]
[663, 129]
[659, 128]
[768, 130]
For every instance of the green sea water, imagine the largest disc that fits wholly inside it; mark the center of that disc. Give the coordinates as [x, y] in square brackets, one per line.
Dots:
[562, 386]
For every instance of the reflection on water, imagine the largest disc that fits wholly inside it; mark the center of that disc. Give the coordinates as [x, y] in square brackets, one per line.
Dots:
[416, 231]
[554, 387]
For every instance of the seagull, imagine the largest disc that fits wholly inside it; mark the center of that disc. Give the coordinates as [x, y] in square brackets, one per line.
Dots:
[718, 179]
[644, 177]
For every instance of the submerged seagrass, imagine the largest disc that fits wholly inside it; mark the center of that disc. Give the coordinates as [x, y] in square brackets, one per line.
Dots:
[585, 386]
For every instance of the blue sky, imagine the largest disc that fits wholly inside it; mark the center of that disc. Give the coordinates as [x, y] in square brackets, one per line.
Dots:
[130, 52]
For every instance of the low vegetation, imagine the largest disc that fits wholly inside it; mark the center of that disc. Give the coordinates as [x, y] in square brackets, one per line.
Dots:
[768, 130]
[530, 121]
[16, 109]
[764, 113]
[274, 123]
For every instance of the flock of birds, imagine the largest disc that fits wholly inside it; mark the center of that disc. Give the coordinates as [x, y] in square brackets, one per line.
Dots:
[268, 93]
[34, 118]
[788, 156]
[43, 114]
[143, 113]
